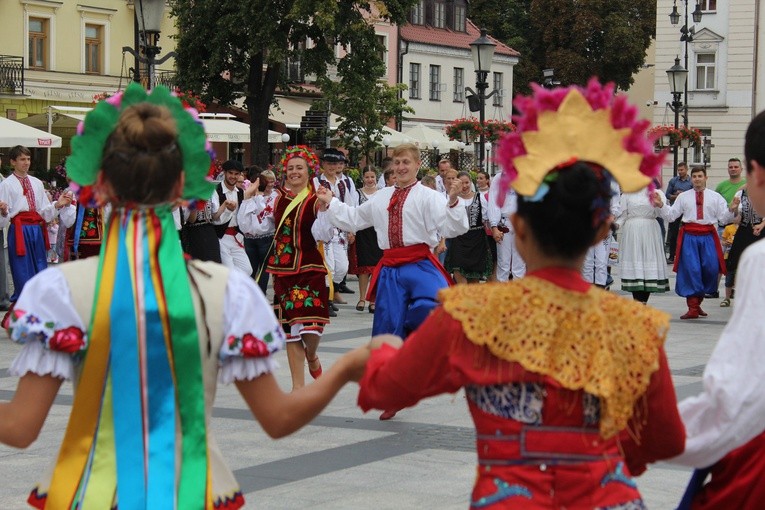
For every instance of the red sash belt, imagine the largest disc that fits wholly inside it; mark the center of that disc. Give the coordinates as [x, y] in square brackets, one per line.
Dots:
[697, 229]
[28, 218]
[233, 231]
[544, 443]
[396, 257]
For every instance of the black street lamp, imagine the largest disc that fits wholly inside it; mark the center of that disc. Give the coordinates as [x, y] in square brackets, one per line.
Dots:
[686, 36]
[678, 78]
[548, 78]
[483, 53]
[149, 15]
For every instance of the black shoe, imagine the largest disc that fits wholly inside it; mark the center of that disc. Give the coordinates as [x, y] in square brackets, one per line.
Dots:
[333, 306]
[671, 260]
[713, 295]
[332, 312]
[5, 305]
[343, 288]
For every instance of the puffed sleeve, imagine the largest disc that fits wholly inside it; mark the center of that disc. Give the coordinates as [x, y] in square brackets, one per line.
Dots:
[45, 320]
[67, 215]
[249, 216]
[252, 333]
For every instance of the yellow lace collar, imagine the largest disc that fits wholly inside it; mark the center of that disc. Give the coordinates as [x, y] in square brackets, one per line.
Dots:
[594, 341]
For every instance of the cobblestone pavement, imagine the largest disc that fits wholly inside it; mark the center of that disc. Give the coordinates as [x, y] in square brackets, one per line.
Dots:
[344, 459]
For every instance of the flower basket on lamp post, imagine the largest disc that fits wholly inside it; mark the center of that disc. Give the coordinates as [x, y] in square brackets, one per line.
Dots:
[494, 129]
[689, 136]
[464, 130]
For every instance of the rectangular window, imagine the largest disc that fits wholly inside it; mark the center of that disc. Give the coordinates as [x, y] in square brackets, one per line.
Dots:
[459, 18]
[708, 5]
[435, 83]
[417, 14]
[705, 71]
[38, 43]
[498, 87]
[439, 15]
[93, 48]
[414, 81]
[698, 152]
[382, 43]
[459, 85]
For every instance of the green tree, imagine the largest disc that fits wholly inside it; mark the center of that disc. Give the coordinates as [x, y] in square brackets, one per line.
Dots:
[364, 102]
[230, 49]
[577, 38]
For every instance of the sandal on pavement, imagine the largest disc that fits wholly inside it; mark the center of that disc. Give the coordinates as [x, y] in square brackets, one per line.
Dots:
[360, 305]
[725, 303]
[314, 373]
[371, 308]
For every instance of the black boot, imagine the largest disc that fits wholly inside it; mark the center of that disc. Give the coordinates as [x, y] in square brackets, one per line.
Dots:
[332, 308]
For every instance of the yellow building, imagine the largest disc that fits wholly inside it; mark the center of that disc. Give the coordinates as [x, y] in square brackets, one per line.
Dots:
[64, 52]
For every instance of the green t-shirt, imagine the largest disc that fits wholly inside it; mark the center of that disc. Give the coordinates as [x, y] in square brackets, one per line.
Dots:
[728, 189]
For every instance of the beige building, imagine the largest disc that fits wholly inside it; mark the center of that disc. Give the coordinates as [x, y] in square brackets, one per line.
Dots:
[725, 79]
[64, 52]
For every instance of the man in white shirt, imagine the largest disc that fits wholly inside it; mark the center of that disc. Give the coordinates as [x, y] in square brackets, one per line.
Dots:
[724, 424]
[444, 165]
[25, 206]
[225, 203]
[509, 261]
[699, 258]
[341, 186]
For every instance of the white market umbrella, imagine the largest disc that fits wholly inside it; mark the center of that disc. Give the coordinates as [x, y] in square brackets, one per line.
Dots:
[14, 133]
[425, 136]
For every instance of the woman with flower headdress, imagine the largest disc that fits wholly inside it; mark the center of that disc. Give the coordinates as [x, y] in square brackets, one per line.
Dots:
[146, 338]
[567, 384]
[300, 291]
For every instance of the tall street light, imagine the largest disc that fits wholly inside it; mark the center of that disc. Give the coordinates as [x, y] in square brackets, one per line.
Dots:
[686, 36]
[678, 78]
[483, 53]
[149, 15]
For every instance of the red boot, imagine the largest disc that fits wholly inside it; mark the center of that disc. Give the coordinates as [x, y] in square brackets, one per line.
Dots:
[702, 313]
[693, 308]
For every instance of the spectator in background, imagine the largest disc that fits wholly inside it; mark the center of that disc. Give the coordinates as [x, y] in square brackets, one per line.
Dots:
[677, 184]
[259, 228]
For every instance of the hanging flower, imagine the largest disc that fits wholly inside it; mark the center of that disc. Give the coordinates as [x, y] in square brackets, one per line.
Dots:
[190, 99]
[494, 129]
[471, 125]
[693, 135]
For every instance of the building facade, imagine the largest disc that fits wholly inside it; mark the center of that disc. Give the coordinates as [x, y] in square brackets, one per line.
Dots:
[726, 74]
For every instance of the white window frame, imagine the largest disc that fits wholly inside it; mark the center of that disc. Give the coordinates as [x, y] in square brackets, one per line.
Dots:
[697, 157]
[51, 19]
[417, 13]
[705, 6]
[96, 16]
[414, 86]
[498, 80]
[460, 18]
[459, 85]
[384, 39]
[434, 82]
[439, 14]
[706, 66]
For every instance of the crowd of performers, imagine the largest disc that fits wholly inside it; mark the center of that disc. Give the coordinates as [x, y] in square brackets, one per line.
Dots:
[568, 384]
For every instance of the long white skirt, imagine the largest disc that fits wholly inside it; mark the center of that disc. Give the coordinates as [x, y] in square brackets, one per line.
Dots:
[641, 256]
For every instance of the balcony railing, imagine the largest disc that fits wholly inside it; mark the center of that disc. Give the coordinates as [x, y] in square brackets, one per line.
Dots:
[11, 75]
[166, 78]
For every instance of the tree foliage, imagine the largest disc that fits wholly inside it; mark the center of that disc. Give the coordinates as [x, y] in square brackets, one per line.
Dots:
[230, 49]
[362, 99]
[577, 38]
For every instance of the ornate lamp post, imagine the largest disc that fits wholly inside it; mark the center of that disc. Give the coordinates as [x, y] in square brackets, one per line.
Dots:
[149, 15]
[678, 77]
[386, 142]
[483, 53]
[434, 143]
[686, 36]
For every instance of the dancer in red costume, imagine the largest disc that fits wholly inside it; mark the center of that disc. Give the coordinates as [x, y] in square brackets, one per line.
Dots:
[568, 385]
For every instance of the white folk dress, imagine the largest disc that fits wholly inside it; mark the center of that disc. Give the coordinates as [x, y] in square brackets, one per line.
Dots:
[641, 248]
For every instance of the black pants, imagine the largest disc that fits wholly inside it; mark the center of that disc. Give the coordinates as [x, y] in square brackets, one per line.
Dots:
[257, 250]
[672, 231]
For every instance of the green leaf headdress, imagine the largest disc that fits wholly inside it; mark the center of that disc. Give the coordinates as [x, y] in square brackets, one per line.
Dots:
[88, 146]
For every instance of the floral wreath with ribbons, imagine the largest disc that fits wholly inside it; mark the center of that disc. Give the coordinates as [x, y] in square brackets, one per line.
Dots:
[558, 127]
[94, 132]
[304, 152]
